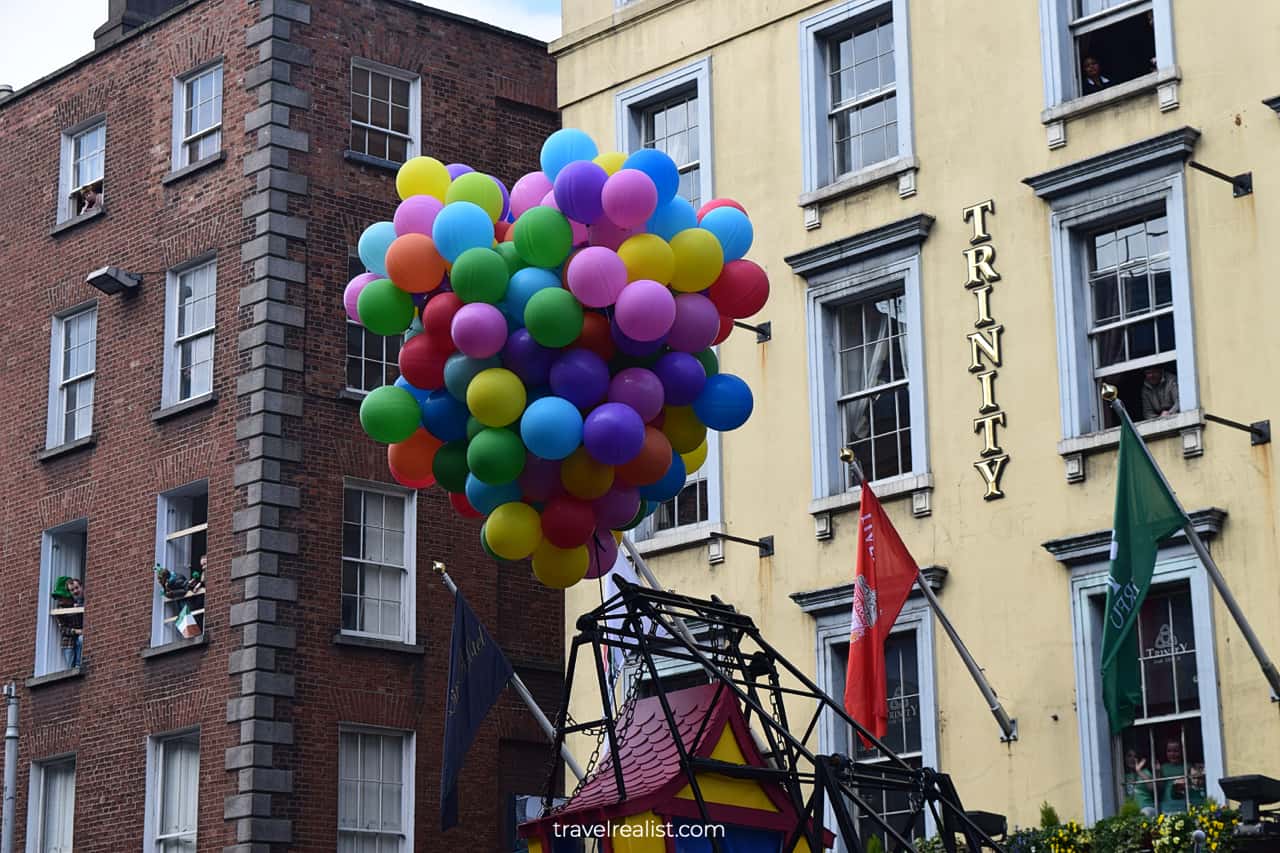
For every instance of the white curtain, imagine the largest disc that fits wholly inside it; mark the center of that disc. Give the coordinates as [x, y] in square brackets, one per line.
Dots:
[58, 801]
[878, 327]
[179, 793]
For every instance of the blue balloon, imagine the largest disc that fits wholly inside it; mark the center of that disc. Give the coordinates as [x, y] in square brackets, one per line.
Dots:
[444, 416]
[666, 488]
[725, 402]
[461, 226]
[732, 228]
[563, 147]
[415, 328]
[521, 287]
[419, 394]
[671, 218]
[459, 370]
[551, 428]
[486, 498]
[660, 168]
[373, 246]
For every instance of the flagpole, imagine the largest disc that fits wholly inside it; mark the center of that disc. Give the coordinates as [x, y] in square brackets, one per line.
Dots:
[1111, 396]
[1008, 725]
[651, 579]
[516, 682]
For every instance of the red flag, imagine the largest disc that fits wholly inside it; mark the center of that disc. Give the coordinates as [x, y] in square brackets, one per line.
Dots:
[884, 576]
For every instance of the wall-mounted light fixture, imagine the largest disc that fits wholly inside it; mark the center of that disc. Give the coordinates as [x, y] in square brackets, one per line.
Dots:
[113, 280]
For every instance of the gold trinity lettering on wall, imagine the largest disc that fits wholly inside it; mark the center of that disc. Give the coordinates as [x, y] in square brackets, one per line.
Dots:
[985, 348]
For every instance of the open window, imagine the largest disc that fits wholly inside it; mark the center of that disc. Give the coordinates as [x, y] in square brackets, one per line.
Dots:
[1115, 42]
[60, 621]
[181, 557]
[82, 178]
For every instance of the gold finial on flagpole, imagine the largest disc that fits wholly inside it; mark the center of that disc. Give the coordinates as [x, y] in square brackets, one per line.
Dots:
[1109, 392]
[437, 567]
[846, 455]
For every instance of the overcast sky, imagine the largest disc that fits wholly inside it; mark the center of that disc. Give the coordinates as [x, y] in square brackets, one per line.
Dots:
[40, 36]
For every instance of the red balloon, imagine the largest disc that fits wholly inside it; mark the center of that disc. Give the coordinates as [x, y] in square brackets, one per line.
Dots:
[718, 202]
[567, 522]
[596, 336]
[437, 315]
[501, 230]
[463, 506]
[421, 363]
[651, 463]
[726, 326]
[741, 290]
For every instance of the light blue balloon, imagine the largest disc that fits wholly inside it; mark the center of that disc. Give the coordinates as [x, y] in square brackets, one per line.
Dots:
[521, 287]
[732, 228]
[671, 218]
[373, 246]
[459, 370]
[461, 226]
[670, 484]
[551, 427]
[486, 498]
[563, 147]
[415, 328]
[660, 168]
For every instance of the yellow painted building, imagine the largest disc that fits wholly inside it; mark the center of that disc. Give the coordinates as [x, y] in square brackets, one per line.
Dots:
[938, 346]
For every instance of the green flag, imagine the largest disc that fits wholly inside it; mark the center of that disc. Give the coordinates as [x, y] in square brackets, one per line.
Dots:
[1146, 512]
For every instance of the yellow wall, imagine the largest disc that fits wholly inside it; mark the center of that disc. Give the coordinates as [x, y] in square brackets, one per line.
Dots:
[978, 93]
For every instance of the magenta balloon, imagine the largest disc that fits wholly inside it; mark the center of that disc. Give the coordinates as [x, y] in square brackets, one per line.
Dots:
[528, 192]
[540, 479]
[613, 433]
[618, 506]
[479, 330]
[602, 553]
[640, 389]
[645, 310]
[416, 215]
[696, 324]
[352, 294]
[629, 197]
[577, 190]
[607, 233]
[596, 276]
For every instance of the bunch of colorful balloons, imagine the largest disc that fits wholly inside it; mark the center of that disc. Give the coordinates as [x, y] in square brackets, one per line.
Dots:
[557, 372]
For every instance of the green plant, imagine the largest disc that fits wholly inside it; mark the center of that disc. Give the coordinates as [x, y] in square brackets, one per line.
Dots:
[1025, 841]
[1173, 832]
[1128, 832]
[1048, 816]
[1129, 809]
[1069, 837]
[874, 845]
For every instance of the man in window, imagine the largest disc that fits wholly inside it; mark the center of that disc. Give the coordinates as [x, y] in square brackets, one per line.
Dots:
[1093, 79]
[90, 199]
[1159, 393]
[68, 594]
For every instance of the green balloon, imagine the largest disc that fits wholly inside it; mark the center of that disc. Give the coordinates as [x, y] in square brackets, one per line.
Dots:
[543, 237]
[450, 467]
[390, 414]
[553, 317]
[474, 427]
[710, 363]
[479, 275]
[509, 254]
[384, 309]
[484, 544]
[496, 456]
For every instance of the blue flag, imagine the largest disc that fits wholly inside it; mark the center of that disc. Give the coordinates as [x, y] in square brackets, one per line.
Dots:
[478, 671]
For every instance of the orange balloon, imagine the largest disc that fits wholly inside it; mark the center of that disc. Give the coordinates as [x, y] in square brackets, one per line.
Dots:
[596, 336]
[584, 477]
[413, 264]
[651, 463]
[411, 459]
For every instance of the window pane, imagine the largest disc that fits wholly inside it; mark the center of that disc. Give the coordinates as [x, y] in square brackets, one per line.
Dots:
[360, 81]
[360, 108]
[380, 86]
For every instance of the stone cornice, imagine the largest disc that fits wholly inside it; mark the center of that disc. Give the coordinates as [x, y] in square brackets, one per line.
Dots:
[911, 231]
[819, 601]
[1173, 146]
[1095, 546]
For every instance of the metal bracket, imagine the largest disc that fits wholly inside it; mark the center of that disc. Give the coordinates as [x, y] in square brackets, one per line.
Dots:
[764, 332]
[1259, 431]
[1241, 184]
[1013, 732]
[764, 543]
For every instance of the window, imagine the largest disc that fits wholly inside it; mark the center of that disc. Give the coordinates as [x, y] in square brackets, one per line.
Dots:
[856, 95]
[375, 791]
[372, 360]
[874, 399]
[190, 332]
[673, 673]
[173, 793]
[72, 363]
[197, 116]
[378, 526]
[671, 126]
[385, 117]
[51, 823]
[83, 166]
[181, 548]
[60, 612]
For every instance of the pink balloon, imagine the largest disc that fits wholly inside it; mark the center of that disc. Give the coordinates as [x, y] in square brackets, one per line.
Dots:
[596, 276]
[352, 294]
[605, 232]
[528, 192]
[602, 553]
[579, 230]
[618, 506]
[416, 215]
[629, 197]
[479, 330]
[696, 324]
[645, 310]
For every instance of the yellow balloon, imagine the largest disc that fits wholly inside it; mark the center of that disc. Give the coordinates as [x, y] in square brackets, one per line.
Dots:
[610, 161]
[480, 190]
[698, 260]
[496, 397]
[694, 459]
[582, 476]
[683, 429]
[513, 530]
[423, 176]
[648, 256]
[560, 568]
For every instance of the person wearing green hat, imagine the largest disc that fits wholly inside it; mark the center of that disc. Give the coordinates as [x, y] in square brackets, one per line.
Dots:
[69, 592]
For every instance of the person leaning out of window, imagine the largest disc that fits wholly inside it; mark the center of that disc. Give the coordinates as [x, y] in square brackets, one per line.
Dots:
[90, 199]
[1159, 393]
[67, 593]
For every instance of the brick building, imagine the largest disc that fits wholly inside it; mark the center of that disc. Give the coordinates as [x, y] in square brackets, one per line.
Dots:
[224, 156]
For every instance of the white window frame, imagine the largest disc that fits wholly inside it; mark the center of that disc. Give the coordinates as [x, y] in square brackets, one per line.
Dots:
[1058, 49]
[66, 166]
[414, 137]
[815, 126]
[1088, 580]
[48, 654]
[170, 395]
[155, 786]
[180, 156]
[408, 795]
[162, 632]
[408, 588]
[37, 802]
[55, 431]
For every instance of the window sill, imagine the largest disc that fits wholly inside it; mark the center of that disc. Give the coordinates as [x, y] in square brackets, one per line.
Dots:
[191, 168]
[166, 412]
[680, 539]
[55, 677]
[901, 168]
[341, 639]
[67, 447]
[375, 162]
[353, 395]
[918, 486]
[76, 221]
[1190, 425]
[1164, 82]
[175, 646]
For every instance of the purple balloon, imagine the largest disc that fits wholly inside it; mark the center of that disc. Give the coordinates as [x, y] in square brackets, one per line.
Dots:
[645, 310]
[527, 358]
[457, 170]
[351, 295]
[528, 192]
[630, 346]
[696, 324]
[640, 389]
[479, 330]
[540, 479]
[629, 197]
[682, 378]
[613, 433]
[607, 233]
[618, 506]
[577, 191]
[602, 553]
[581, 377]
[506, 197]
[416, 214]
